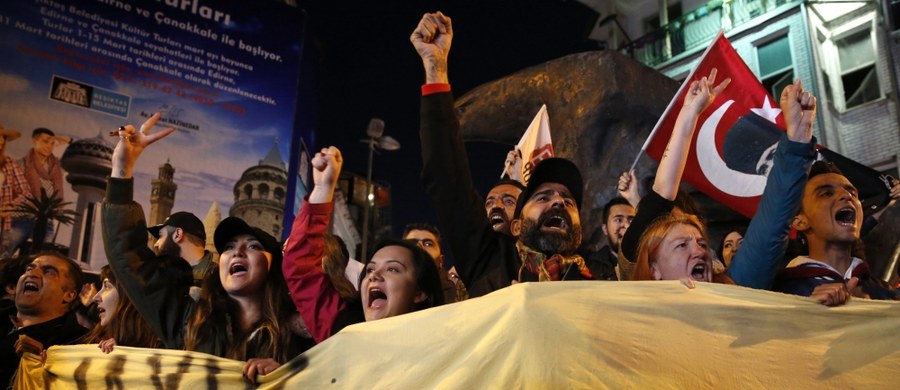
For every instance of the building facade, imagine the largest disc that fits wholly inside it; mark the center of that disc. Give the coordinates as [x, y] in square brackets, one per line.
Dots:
[846, 53]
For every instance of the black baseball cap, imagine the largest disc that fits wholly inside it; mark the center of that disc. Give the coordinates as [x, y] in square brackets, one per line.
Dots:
[233, 226]
[553, 170]
[184, 220]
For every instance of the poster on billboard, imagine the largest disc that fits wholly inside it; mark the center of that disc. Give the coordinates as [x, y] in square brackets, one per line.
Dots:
[224, 74]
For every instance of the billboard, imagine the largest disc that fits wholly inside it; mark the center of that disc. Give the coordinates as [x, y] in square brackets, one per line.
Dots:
[224, 74]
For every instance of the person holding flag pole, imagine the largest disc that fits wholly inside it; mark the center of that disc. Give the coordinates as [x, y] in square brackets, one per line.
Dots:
[762, 252]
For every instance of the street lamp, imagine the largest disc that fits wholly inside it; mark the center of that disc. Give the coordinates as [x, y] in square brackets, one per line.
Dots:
[376, 140]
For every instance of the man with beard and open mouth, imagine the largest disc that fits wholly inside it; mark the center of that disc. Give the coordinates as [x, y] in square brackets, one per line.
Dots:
[546, 217]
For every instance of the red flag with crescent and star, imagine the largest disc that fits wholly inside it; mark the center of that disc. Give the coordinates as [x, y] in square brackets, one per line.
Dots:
[732, 174]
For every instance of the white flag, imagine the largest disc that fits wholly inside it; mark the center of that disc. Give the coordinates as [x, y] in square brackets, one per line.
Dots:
[534, 146]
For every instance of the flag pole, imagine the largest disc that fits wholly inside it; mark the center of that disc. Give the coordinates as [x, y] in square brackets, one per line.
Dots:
[687, 81]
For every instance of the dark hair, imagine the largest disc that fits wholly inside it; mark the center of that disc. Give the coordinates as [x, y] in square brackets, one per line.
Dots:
[609, 205]
[821, 167]
[427, 277]
[217, 313]
[423, 226]
[126, 325]
[11, 268]
[42, 130]
[720, 251]
[514, 183]
[76, 277]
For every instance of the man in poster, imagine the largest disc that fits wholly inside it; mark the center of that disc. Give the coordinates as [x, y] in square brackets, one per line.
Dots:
[13, 189]
[42, 168]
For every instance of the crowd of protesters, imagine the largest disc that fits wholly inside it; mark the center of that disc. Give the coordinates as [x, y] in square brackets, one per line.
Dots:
[264, 303]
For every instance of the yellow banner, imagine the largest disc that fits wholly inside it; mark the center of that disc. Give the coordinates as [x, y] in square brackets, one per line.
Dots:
[549, 335]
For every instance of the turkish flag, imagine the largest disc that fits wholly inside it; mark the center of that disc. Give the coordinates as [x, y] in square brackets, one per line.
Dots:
[733, 146]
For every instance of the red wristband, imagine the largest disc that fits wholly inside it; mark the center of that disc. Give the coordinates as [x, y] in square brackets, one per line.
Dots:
[429, 89]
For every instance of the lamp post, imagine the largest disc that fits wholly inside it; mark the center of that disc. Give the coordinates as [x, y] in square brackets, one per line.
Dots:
[376, 140]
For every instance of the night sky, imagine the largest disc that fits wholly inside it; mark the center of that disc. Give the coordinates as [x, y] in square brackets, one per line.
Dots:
[363, 66]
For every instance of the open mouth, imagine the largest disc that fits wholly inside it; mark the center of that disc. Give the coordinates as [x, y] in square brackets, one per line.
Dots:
[556, 222]
[100, 310]
[698, 272]
[30, 287]
[846, 216]
[237, 268]
[497, 219]
[377, 298]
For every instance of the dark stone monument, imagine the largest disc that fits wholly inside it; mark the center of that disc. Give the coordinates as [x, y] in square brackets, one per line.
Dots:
[602, 106]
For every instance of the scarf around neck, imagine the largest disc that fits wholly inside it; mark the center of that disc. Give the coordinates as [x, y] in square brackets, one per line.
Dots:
[549, 268]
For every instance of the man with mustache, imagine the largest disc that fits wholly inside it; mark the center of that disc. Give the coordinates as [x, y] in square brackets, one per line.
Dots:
[546, 217]
[45, 295]
[500, 204]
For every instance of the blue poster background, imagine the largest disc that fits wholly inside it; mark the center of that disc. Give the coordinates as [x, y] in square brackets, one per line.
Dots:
[225, 74]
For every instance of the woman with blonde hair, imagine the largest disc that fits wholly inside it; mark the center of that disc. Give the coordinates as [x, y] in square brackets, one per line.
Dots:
[762, 251]
[675, 247]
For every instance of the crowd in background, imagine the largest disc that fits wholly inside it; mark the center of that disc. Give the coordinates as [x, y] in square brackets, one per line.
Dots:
[264, 303]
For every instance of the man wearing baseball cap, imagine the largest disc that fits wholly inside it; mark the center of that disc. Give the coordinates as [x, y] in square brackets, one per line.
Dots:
[546, 228]
[183, 235]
